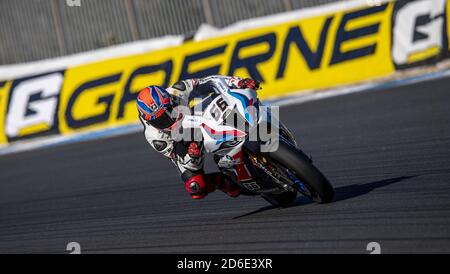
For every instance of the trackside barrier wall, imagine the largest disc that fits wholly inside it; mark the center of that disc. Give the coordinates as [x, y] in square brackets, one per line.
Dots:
[321, 51]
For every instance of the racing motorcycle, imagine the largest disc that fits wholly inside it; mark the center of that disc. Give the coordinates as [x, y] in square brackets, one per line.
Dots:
[230, 122]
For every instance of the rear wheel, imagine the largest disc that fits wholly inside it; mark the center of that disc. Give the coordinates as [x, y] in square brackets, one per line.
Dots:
[297, 162]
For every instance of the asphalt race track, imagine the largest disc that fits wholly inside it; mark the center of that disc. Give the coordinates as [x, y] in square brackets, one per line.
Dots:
[387, 153]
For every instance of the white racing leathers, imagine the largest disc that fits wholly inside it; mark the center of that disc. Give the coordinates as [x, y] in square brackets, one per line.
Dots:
[163, 142]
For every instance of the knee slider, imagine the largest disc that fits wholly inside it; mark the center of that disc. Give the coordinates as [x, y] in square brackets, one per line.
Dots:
[196, 186]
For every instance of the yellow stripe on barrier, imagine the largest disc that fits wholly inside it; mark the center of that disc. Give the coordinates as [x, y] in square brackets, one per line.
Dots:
[4, 93]
[423, 55]
[33, 129]
[448, 22]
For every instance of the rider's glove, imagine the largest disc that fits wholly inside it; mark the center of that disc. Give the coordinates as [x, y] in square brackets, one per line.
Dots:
[194, 151]
[249, 83]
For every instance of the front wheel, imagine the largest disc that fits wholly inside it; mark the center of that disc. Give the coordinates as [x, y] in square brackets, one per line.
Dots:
[293, 159]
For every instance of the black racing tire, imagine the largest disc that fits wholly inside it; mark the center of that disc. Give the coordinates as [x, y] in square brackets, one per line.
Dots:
[295, 160]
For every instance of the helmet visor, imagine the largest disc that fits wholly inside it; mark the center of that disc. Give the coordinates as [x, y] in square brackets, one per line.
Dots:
[163, 122]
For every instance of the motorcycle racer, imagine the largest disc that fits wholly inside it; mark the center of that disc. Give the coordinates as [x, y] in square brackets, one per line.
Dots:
[155, 105]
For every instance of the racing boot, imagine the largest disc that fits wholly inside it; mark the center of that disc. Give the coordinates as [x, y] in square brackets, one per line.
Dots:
[223, 183]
